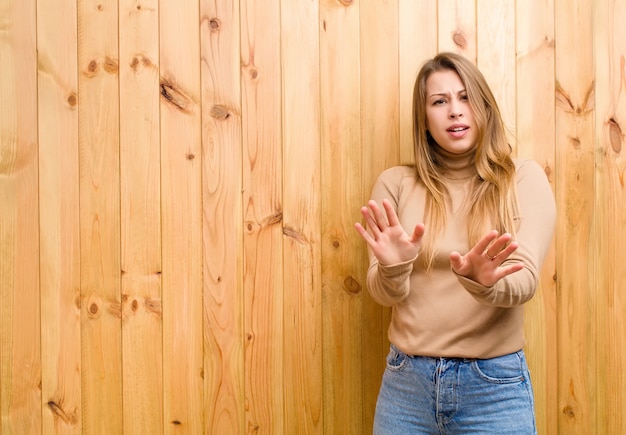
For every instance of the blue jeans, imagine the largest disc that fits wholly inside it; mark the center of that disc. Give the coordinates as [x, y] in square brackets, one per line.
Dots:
[422, 395]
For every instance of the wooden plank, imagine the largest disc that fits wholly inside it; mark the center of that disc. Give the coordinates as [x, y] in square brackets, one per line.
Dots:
[98, 136]
[20, 354]
[457, 27]
[262, 208]
[495, 36]
[417, 27]
[380, 100]
[575, 95]
[181, 219]
[222, 224]
[342, 196]
[302, 313]
[609, 217]
[140, 217]
[59, 217]
[535, 133]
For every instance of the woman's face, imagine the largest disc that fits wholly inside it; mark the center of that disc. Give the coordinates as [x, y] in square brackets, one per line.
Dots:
[449, 116]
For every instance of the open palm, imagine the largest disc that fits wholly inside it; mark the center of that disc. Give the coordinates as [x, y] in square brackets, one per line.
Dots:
[389, 242]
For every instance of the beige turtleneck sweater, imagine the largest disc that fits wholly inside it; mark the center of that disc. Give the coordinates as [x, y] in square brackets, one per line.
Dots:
[443, 314]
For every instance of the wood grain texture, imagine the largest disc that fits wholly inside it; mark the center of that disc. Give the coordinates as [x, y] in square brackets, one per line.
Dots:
[610, 215]
[417, 41]
[495, 21]
[456, 27]
[59, 218]
[177, 251]
[98, 136]
[380, 113]
[263, 217]
[302, 317]
[535, 138]
[222, 218]
[342, 262]
[181, 217]
[20, 353]
[575, 111]
[140, 210]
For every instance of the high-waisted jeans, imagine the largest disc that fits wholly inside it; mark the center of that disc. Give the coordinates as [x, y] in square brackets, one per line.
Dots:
[423, 395]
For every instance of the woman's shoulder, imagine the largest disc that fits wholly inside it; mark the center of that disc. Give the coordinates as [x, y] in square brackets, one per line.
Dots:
[398, 173]
[526, 167]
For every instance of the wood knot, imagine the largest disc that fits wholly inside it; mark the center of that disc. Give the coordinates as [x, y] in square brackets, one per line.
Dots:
[72, 99]
[92, 68]
[459, 39]
[253, 73]
[220, 112]
[548, 171]
[176, 97]
[351, 285]
[214, 24]
[111, 65]
[568, 411]
[615, 135]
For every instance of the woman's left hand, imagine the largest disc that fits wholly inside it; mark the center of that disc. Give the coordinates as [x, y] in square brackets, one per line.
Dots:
[483, 263]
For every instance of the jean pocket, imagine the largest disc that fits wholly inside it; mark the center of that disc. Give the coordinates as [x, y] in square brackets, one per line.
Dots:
[396, 359]
[506, 369]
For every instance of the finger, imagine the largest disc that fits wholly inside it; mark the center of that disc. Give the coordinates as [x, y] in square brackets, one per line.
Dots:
[364, 233]
[508, 250]
[484, 243]
[418, 232]
[392, 216]
[379, 216]
[501, 249]
[508, 270]
[370, 222]
[500, 243]
[456, 260]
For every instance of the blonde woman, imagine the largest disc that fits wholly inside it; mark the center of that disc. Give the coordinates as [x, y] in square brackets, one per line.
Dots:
[456, 244]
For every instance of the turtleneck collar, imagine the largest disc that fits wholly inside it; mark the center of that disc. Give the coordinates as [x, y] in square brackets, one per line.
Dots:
[455, 166]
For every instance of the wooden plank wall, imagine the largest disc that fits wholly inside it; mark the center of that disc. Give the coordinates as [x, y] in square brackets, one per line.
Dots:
[179, 181]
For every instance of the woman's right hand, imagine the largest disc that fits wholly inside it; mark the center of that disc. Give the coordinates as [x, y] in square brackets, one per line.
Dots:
[386, 237]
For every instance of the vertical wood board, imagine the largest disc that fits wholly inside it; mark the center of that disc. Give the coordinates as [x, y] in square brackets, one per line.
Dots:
[263, 216]
[535, 133]
[301, 218]
[20, 353]
[59, 218]
[575, 110]
[140, 217]
[181, 216]
[341, 196]
[610, 215]
[222, 217]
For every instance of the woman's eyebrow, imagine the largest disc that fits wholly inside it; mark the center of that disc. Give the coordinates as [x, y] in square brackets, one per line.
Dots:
[444, 93]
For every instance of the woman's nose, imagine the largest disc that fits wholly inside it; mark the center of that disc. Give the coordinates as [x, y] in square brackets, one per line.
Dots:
[455, 111]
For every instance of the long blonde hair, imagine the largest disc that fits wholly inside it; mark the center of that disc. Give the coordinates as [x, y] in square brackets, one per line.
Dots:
[493, 196]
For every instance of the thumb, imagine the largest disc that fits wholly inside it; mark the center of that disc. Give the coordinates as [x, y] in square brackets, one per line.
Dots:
[456, 260]
[418, 232]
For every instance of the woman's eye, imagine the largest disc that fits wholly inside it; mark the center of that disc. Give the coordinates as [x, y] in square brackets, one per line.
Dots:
[464, 97]
[437, 102]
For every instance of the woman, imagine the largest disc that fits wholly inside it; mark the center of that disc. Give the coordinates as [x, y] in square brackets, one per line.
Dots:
[456, 245]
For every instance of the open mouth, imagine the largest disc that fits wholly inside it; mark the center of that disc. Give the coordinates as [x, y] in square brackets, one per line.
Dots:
[457, 129]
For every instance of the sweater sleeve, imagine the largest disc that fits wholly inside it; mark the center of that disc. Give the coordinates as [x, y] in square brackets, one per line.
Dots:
[388, 284]
[537, 220]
